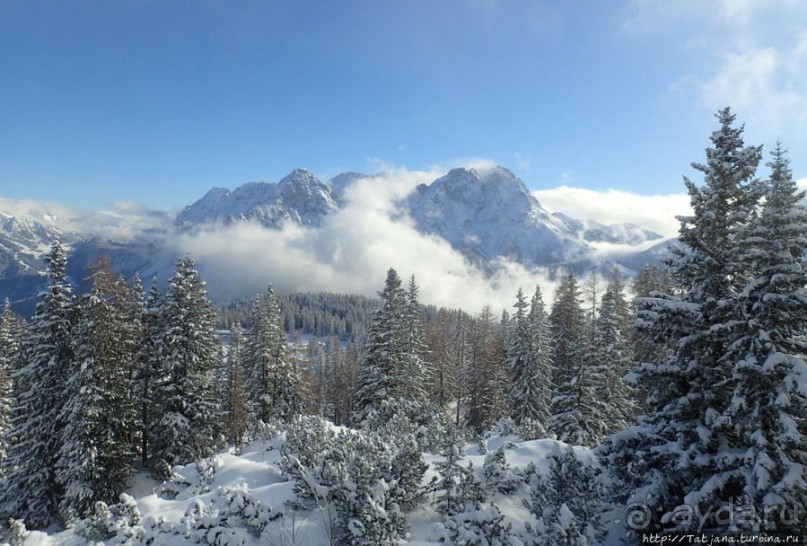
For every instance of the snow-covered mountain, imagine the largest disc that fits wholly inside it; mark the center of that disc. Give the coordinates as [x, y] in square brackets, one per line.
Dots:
[22, 243]
[489, 214]
[486, 214]
[300, 197]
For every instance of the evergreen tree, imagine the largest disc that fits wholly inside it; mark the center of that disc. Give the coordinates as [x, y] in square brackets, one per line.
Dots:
[341, 365]
[93, 463]
[567, 326]
[686, 434]
[651, 279]
[150, 371]
[129, 307]
[9, 357]
[235, 412]
[519, 339]
[578, 412]
[459, 490]
[614, 354]
[272, 381]
[507, 328]
[768, 408]
[387, 351]
[188, 409]
[567, 501]
[32, 490]
[415, 375]
[531, 390]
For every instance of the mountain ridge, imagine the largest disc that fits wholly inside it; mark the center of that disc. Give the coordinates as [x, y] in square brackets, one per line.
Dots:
[486, 214]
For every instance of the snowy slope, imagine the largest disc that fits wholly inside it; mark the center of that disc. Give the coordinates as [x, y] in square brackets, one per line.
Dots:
[244, 498]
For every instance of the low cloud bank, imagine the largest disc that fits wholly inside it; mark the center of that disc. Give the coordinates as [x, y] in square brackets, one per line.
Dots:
[656, 212]
[351, 253]
[120, 221]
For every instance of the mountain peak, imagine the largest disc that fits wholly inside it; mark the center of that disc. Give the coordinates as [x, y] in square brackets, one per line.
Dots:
[299, 197]
[299, 177]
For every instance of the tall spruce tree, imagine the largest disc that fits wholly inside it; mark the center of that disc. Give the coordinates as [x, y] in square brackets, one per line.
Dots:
[9, 362]
[578, 413]
[768, 407]
[531, 390]
[342, 362]
[518, 341]
[651, 278]
[686, 434]
[415, 373]
[129, 306]
[95, 454]
[614, 354]
[272, 381]
[387, 355]
[235, 411]
[150, 371]
[461, 345]
[188, 410]
[32, 490]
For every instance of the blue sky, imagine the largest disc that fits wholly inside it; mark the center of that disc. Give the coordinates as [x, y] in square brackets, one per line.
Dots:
[156, 101]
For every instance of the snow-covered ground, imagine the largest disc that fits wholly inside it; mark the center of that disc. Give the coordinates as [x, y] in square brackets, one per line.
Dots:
[245, 498]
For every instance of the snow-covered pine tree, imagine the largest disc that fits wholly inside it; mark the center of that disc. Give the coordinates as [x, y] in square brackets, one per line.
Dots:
[507, 327]
[518, 344]
[32, 491]
[567, 326]
[577, 411]
[129, 305]
[188, 410]
[415, 373]
[456, 484]
[235, 411]
[531, 390]
[95, 454]
[651, 278]
[568, 501]
[614, 354]
[768, 409]
[686, 433]
[272, 382]
[9, 363]
[386, 349]
[150, 371]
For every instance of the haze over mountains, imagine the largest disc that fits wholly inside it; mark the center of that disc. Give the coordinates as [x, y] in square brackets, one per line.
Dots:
[471, 236]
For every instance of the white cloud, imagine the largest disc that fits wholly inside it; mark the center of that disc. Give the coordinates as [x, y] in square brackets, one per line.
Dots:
[656, 212]
[747, 54]
[765, 83]
[121, 221]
